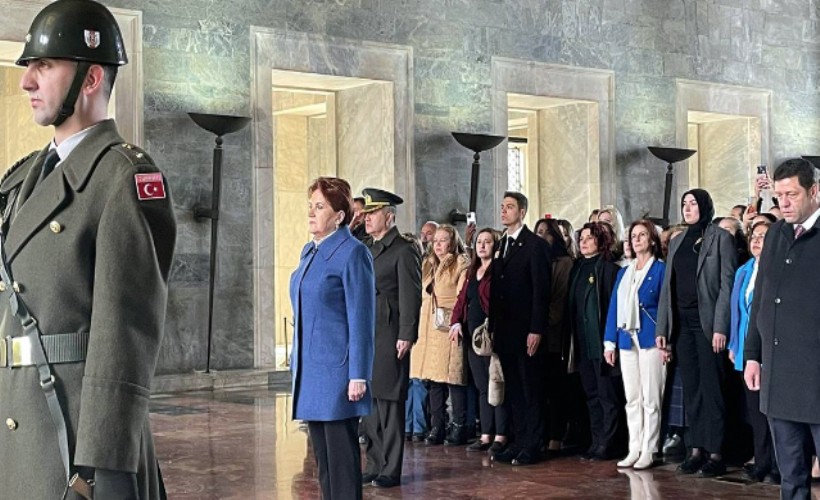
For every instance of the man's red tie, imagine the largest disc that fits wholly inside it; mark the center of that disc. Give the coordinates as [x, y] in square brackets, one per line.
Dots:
[799, 230]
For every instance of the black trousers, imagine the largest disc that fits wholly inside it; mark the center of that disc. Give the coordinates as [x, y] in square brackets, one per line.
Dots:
[493, 418]
[702, 372]
[603, 404]
[556, 399]
[523, 379]
[438, 404]
[793, 446]
[338, 458]
[761, 435]
[385, 432]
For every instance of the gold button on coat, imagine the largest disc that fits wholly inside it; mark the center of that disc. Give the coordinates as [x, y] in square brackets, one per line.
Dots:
[16, 287]
[56, 227]
[2, 286]
[11, 424]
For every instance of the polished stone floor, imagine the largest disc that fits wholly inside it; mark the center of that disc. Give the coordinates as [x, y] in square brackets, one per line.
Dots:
[243, 445]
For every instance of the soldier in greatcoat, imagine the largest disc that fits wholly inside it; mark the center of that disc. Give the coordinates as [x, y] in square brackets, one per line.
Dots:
[88, 235]
[397, 266]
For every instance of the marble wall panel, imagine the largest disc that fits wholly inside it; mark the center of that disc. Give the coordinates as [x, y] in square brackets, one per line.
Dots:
[364, 124]
[568, 159]
[728, 157]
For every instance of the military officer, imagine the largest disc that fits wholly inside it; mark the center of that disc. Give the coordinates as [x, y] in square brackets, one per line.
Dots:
[88, 235]
[397, 266]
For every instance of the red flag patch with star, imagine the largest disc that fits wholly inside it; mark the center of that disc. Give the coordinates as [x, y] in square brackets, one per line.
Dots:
[150, 186]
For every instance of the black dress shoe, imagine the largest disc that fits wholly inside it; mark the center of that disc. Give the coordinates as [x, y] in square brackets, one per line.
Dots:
[673, 446]
[478, 445]
[713, 468]
[505, 456]
[418, 437]
[456, 436]
[497, 447]
[773, 478]
[525, 458]
[754, 475]
[434, 437]
[691, 465]
[386, 482]
[368, 478]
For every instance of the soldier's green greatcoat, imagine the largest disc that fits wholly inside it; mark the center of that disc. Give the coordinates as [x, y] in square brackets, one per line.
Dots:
[89, 256]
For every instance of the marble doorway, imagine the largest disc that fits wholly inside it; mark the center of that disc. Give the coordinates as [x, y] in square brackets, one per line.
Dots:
[728, 153]
[323, 126]
[558, 141]
[567, 104]
[351, 105]
[730, 122]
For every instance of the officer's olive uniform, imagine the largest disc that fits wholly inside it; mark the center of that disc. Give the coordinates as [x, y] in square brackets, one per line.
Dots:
[88, 256]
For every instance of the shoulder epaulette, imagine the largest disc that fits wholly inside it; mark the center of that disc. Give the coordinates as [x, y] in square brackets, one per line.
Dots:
[134, 154]
[16, 166]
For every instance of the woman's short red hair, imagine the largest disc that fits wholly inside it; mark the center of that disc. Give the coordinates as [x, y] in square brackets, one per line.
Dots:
[337, 192]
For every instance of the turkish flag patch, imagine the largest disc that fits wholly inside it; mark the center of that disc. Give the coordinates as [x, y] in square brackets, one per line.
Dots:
[150, 186]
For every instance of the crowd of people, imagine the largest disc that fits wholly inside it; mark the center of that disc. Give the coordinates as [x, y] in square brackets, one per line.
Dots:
[615, 341]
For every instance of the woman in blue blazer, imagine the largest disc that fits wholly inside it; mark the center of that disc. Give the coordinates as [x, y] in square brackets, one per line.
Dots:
[333, 294]
[741, 303]
[630, 328]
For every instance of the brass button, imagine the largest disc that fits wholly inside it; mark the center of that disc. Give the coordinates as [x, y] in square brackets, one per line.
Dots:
[16, 287]
[140, 155]
[56, 227]
[2, 286]
[777, 300]
[11, 424]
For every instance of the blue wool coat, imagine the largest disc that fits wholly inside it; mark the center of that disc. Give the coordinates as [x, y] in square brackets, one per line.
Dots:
[741, 310]
[333, 293]
[648, 297]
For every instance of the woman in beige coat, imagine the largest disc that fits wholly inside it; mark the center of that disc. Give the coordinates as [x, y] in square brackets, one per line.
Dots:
[437, 356]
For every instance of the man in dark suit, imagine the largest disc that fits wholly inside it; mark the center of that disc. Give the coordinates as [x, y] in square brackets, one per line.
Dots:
[519, 316]
[783, 343]
[397, 266]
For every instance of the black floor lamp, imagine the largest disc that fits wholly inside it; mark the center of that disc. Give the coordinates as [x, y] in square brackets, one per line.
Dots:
[476, 143]
[670, 156]
[219, 125]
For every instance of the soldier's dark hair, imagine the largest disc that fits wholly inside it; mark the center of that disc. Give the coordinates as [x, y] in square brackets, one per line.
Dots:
[110, 76]
[337, 193]
[803, 169]
[518, 197]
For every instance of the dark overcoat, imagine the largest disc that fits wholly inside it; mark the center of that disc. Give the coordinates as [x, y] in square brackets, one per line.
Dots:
[333, 298]
[784, 332]
[89, 257]
[397, 266]
[520, 293]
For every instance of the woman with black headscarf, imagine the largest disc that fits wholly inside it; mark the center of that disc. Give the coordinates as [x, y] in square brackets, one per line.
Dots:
[694, 318]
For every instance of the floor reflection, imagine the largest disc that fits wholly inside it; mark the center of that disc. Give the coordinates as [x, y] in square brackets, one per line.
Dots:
[243, 445]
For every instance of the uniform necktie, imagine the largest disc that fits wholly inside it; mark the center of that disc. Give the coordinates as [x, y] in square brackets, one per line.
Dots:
[798, 230]
[52, 159]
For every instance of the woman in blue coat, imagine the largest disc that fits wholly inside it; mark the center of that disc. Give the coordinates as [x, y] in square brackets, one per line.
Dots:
[333, 294]
[742, 294]
[630, 328]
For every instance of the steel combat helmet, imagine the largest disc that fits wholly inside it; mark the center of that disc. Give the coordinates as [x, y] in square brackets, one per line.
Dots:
[78, 30]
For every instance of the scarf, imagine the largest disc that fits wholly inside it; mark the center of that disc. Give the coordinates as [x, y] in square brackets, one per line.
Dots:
[628, 312]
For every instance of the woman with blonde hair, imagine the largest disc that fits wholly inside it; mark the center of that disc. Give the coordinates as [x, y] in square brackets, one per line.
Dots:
[439, 356]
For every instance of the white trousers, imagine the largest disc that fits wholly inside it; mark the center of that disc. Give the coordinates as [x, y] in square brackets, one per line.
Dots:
[644, 376]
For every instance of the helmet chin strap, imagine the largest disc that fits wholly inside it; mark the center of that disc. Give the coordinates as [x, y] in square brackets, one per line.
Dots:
[67, 108]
